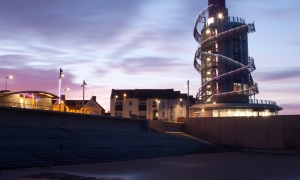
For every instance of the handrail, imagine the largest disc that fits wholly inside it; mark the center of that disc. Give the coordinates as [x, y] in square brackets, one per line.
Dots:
[224, 19]
[199, 55]
[261, 101]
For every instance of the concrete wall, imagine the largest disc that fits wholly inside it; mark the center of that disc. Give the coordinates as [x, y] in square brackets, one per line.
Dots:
[247, 132]
[19, 117]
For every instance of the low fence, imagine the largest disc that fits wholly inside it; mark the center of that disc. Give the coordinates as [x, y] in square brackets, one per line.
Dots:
[272, 132]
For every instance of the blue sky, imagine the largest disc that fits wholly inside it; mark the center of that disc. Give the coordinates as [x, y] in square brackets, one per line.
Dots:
[127, 44]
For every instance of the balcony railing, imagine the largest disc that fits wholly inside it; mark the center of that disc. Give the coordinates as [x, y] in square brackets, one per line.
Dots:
[225, 19]
[260, 101]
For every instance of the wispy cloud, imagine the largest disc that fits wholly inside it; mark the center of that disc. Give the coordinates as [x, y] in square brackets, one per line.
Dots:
[279, 74]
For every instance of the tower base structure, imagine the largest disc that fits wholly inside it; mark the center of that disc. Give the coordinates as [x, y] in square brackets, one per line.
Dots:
[255, 108]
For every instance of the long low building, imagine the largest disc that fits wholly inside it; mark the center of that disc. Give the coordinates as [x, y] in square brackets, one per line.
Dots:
[31, 99]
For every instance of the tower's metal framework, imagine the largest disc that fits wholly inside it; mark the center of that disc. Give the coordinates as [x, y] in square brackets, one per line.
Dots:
[222, 57]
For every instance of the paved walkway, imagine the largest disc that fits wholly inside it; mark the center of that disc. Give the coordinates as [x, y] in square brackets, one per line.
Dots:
[225, 165]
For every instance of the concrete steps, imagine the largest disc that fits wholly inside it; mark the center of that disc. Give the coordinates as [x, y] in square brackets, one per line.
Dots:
[31, 147]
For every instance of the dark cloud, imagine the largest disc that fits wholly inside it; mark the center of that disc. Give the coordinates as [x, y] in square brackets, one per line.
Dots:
[69, 20]
[280, 74]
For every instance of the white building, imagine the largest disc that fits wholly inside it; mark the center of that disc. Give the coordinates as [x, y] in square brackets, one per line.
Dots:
[154, 104]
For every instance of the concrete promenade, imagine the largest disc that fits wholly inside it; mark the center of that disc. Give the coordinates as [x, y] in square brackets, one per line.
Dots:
[210, 166]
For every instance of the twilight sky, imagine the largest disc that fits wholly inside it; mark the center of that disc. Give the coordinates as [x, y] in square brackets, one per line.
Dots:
[143, 44]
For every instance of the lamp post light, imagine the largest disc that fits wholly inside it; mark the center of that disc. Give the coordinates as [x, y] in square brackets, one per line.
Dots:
[187, 99]
[67, 89]
[61, 75]
[8, 77]
[116, 96]
[157, 102]
[83, 87]
[124, 95]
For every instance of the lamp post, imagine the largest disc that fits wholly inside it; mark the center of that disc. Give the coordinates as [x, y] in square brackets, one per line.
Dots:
[187, 99]
[61, 74]
[116, 96]
[124, 95]
[8, 77]
[157, 104]
[67, 89]
[83, 87]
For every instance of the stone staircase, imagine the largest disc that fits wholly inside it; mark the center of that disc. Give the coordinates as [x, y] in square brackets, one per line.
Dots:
[31, 147]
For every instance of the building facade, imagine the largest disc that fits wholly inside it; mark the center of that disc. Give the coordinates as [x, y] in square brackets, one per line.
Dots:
[152, 104]
[227, 87]
[76, 106]
[27, 99]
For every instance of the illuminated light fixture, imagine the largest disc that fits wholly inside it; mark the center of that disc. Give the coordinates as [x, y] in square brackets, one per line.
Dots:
[202, 110]
[8, 77]
[116, 96]
[214, 102]
[180, 99]
[207, 31]
[208, 59]
[220, 15]
[208, 72]
[124, 95]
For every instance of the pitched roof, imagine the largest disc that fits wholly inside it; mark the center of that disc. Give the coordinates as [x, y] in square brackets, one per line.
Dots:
[149, 93]
[72, 104]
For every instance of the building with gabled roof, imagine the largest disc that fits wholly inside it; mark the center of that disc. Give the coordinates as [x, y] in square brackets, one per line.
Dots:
[153, 104]
[75, 106]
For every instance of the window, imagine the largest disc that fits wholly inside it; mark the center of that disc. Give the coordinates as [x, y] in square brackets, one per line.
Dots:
[130, 112]
[163, 114]
[91, 104]
[119, 103]
[142, 113]
[181, 113]
[173, 113]
[142, 102]
[130, 103]
[162, 104]
[118, 113]
[181, 103]
[154, 104]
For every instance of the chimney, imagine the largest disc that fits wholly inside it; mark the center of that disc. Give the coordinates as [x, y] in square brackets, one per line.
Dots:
[94, 98]
[63, 97]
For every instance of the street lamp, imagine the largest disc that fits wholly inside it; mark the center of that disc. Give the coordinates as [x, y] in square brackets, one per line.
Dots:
[124, 95]
[67, 89]
[187, 99]
[116, 96]
[83, 87]
[61, 74]
[8, 77]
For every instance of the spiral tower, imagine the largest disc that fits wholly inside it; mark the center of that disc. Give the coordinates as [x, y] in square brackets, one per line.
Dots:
[222, 59]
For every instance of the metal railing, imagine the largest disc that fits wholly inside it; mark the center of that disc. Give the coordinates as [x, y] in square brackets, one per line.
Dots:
[261, 101]
[224, 19]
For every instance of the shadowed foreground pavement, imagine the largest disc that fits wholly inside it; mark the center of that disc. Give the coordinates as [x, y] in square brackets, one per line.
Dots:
[224, 165]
